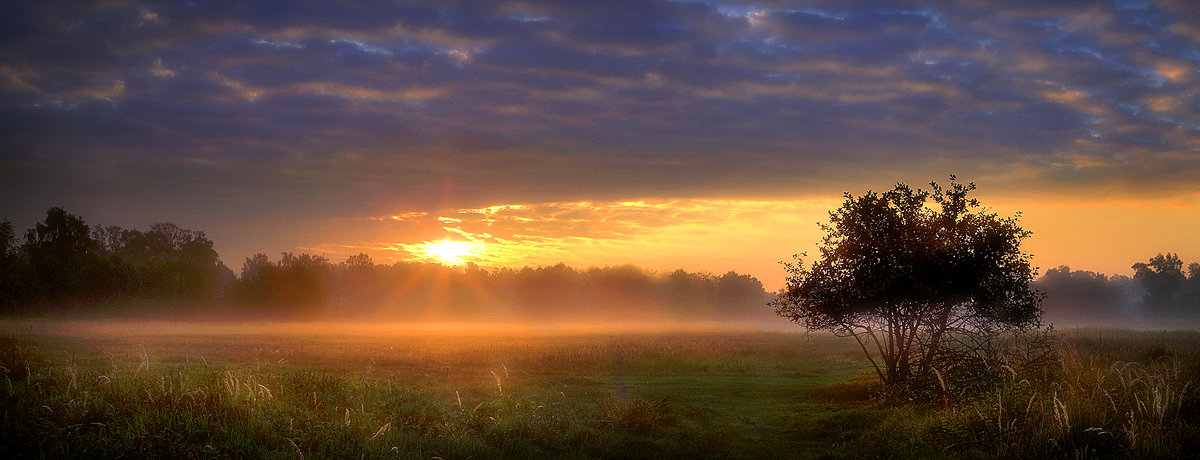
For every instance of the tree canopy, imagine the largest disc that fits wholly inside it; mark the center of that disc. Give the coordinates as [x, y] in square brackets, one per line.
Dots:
[907, 278]
[1162, 276]
[1079, 295]
[63, 266]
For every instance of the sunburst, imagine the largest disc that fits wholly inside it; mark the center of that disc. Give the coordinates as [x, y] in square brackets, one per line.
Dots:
[448, 252]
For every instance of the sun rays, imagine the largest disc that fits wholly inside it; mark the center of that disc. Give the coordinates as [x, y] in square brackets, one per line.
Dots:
[447, 252]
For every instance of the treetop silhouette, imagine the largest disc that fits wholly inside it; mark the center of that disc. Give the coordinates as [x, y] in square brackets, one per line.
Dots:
[908, 278]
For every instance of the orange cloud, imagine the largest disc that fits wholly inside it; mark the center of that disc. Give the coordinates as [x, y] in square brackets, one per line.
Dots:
[749, 236]
[752, 236]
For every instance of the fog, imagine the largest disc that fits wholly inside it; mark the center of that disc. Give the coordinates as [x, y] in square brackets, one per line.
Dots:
[144, 327]
[1159, 296]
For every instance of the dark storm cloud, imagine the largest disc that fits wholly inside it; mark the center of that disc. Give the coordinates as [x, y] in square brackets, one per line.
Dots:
[349, 107]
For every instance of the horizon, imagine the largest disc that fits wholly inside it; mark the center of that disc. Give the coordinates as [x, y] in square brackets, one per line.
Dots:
[457, 253]
[708, 136]
[569, 229]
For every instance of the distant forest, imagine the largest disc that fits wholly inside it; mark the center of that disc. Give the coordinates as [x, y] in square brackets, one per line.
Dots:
[64, 266]
[1159, 289]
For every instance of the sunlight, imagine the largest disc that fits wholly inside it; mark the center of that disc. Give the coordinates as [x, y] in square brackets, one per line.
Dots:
[448, 252]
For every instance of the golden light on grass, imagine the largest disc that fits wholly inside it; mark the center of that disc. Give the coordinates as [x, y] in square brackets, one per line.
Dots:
[447, 252]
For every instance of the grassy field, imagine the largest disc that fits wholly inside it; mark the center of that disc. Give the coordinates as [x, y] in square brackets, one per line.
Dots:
[394, 392]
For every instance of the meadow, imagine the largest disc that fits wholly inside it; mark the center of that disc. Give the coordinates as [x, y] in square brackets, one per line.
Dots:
[391, 391]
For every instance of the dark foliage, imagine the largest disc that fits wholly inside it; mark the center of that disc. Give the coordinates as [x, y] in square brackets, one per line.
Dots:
[1189, 293]
[626, 292]
[11, 269]
[1168, 292]
[165, 262]
[62, 258]
[63, 266]
[912, 282]
[1162, 276]
[1079, 295]
[62, 262]
[1159, 291]
[294, 285]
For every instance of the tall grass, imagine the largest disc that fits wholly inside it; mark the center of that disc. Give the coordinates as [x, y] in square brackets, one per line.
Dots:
[653, 396]
[1091, 405]
[460, 403]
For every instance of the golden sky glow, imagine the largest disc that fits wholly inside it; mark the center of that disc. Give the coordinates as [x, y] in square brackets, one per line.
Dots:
[444, 252]
[749, 236]
[700, 135]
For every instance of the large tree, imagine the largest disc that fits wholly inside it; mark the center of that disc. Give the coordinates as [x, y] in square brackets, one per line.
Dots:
[294, 285]
[1162, 277]
[11, 269]
[1075, 295]
[62, 257]
[909, 278]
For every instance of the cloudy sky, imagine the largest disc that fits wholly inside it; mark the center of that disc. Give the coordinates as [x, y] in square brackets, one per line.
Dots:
[708, 135]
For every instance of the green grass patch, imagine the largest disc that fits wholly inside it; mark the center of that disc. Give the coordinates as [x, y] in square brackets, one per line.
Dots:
[684, 395]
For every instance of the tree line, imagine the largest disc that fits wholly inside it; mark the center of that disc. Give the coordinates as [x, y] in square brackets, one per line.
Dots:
[64, 265]
[938, 293]
[64, 262]
[359, 287]
[1160, 289]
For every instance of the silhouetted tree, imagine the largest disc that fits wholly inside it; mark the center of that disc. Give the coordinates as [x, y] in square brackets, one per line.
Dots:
[548, 290]
[624, 288]
[254, 285]
[689, 294]
[357, 283]
[736, 294]
[1189, 294]
[1162, 277]
[1082, 295]
[110, 239]
[225, 278]
[303, 281]
[8, 239]
[11, 267]
[295, 285]
[254, 266]
[359, 262]
[165, 262]
[62, 257]
[907, 281]
[195, 267]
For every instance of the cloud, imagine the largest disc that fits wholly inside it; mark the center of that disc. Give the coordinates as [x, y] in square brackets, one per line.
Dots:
[353, 106]
[659, 234]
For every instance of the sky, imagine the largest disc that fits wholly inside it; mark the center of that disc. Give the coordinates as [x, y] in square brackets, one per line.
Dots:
[705, 135]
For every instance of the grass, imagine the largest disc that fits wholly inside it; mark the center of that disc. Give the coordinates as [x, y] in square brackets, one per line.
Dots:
[628, 395]
[1112, 394]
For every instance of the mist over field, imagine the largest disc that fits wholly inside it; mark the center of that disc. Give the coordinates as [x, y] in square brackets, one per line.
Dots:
[125, 342]
[419, 229]
[65, 268]
[1159, 296]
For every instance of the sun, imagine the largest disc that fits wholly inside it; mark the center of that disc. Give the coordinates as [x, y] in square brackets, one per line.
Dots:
[448, 252]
